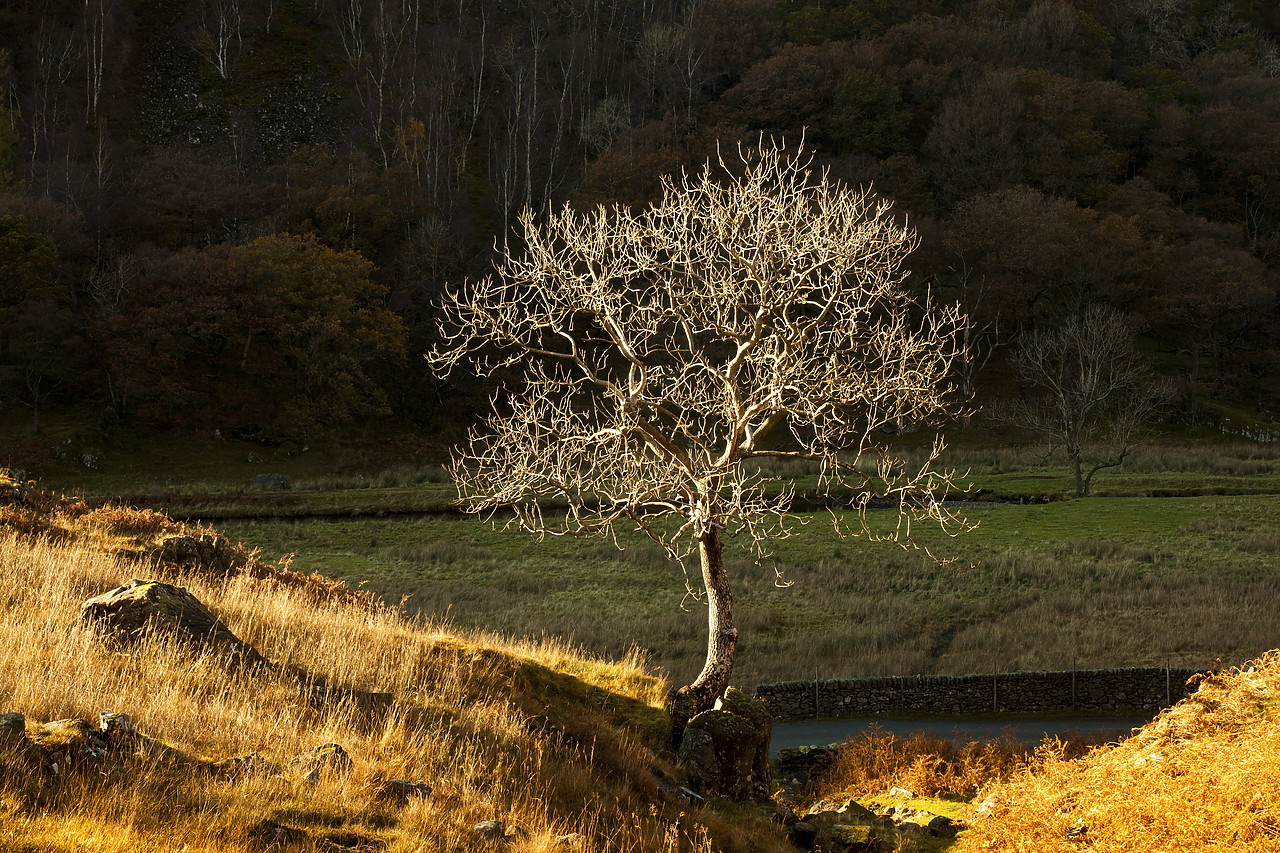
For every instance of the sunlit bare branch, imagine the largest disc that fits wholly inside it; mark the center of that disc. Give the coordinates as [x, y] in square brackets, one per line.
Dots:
[665, 352]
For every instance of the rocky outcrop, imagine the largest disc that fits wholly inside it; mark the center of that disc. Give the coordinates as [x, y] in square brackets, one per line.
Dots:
[836, 826]
[725, 750]
[207, 553]
[37, 759]
[807, 763]
[325, 761]
[142, 606]
[13, 489]
[271, 482]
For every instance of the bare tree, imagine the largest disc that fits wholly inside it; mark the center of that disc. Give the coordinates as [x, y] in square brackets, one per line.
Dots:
[1090, 392]
[95, 49]
[220, 24]
[666, 351]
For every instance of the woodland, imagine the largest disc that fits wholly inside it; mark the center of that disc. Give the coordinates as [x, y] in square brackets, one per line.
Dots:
[236, 216]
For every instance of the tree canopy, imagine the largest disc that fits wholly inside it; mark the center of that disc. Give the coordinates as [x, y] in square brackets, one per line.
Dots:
[757, 311]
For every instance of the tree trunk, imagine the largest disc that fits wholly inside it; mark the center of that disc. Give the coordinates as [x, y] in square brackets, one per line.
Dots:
[1080, 483]
[722, 640]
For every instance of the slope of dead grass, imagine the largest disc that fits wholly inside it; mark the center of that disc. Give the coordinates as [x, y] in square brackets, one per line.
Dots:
[928, 765]
[534, 734]
[1203, 775]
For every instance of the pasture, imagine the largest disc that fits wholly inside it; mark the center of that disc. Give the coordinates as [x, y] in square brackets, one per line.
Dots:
[1094, 582]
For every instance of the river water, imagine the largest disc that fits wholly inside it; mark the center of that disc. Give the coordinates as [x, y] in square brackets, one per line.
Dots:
[788, 735]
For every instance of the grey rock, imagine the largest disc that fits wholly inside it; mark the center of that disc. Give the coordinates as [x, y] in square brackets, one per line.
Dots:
[272, 482]
[942, 826]
[328, 759]
[491, 829]
[142, 606]
[725, 750]
[13, 729]
[855, 813]
[399, 791]
[207, 553]
[117, 728]
[802, 835]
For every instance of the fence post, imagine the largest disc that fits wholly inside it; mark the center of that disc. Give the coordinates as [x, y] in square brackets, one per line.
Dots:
[1167, 694]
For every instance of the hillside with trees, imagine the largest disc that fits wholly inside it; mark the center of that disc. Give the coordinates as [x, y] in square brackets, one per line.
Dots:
[235, 215]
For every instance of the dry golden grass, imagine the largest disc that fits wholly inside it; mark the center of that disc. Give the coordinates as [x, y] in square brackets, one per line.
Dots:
[928, 765]
[1203, 775]
[533, 734]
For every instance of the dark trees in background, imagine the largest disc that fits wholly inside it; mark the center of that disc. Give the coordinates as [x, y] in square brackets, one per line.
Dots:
[25, 259]
[1116, 151]
[284, 332]
[49, 355]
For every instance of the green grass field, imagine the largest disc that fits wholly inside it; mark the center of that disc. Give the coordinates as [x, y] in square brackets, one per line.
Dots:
[1175, 558]
[1093, 582]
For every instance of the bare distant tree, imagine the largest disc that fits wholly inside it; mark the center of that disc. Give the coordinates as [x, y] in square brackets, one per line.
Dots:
[666, 351]
[1090, 392]
[220, 25]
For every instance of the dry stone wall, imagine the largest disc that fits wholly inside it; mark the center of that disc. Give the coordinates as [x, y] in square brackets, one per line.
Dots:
[1100, 691]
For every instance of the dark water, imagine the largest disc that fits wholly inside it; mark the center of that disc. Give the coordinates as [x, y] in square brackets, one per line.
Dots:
[1026, 731]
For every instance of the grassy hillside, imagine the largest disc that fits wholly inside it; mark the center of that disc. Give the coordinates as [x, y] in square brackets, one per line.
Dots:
[1204, 775]
[547, 740]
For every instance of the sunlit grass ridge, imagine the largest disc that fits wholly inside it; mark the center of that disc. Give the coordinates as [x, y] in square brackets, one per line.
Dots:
[535, 734]
[1203, 775]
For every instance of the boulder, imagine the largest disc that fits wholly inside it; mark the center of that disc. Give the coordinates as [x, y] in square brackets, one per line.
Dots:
[271, 482]
[69, 744]
[22, 769]
[207, 553]
[802, 835]
[399, 791]
[141, 606]
[851, 838]
[725, 750]
[832, 819]
[328, 759]
[118, 729]
[13, 730]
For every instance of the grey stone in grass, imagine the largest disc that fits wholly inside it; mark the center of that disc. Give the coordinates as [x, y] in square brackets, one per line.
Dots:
[272, 482]
[143, 606]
